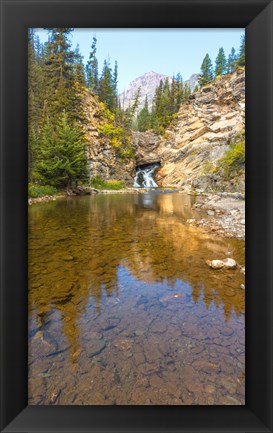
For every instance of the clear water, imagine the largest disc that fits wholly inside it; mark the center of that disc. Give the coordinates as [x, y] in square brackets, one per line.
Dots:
[123, 308]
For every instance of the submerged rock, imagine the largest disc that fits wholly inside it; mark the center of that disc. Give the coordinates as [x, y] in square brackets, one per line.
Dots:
[219, 264]
[96, 344]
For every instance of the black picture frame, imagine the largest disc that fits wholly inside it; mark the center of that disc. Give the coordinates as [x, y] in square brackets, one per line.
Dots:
[257, 17]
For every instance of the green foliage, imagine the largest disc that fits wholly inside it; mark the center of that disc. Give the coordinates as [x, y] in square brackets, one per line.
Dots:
[35, 191]
[196, 88]
[206, 75]
[234, 158]
[144, 118]
[220, 63]
[110, 130]
[98, 183]
[79, 69]
[241, 57]
[118, 139]
[166, 103]
[209, 168]
[107, 87]
[231, 63]
[62, 160]
[92, 74]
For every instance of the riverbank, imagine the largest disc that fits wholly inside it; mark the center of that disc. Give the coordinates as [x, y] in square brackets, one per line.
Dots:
[86, 191]
[225, 214]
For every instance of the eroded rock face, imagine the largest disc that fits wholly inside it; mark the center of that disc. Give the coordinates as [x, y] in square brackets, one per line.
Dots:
[146, 147]
[206, 124]
[103, 158]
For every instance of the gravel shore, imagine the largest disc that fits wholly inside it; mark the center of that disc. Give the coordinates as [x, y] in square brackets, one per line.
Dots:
[224, 214]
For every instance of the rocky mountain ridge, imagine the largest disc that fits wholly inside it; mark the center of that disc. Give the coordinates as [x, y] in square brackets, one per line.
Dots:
[148, 83]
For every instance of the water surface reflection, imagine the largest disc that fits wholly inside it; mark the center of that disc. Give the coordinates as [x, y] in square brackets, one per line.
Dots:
[123, 308]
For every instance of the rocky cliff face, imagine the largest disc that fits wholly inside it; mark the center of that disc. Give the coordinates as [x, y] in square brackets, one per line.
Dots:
[103, 158]
[206, 124]
[145, 145]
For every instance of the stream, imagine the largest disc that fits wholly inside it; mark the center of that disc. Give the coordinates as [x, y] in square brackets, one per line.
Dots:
[123, 308]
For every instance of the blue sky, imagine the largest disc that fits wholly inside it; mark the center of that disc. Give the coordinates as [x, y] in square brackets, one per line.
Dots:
[167, 51]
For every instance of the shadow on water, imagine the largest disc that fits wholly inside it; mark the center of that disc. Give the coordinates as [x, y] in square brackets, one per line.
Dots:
[119, 290]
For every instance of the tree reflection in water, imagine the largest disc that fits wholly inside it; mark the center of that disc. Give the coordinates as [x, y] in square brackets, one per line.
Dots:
[116, 262]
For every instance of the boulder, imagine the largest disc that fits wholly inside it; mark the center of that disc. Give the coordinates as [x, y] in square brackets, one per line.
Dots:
[219, 264]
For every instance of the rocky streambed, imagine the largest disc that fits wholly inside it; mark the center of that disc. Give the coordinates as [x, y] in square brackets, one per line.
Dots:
[222, 214]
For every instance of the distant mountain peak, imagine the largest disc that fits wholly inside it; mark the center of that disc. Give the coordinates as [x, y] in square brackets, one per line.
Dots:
[147, 82]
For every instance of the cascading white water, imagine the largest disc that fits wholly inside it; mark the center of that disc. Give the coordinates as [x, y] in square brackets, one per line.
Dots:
[144, 176]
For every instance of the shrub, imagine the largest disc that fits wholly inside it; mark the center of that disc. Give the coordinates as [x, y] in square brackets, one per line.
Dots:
[208, 167]
[35, 191]
[98, 183]
[234, 158]
[110, 130]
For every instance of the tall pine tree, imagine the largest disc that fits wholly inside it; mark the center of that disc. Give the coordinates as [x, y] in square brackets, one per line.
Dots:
[220, 63]
[61, 93]
[62, 160]
[144, 118]
[79, 68]
[92, 73]
[232, 59]
[242, 56]
[206, 75]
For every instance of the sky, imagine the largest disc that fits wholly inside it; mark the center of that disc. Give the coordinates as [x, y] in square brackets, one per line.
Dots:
[166, 51]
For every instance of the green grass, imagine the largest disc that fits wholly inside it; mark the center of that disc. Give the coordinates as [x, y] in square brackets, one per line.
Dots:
[98, 183]
[35, 191]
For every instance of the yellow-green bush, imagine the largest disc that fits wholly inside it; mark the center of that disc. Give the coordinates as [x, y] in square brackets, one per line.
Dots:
[234, 158]
[209, 168]
[98, 183]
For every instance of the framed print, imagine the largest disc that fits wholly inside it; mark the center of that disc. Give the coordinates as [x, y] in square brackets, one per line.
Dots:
[124, 267]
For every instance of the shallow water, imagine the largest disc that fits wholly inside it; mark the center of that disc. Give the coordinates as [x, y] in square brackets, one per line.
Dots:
[123, 308]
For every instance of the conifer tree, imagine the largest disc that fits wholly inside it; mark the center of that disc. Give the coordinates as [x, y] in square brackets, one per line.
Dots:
[92, 73]
[35, 96]
[241, 57]
[186, 92]
[143, 118]
[206, 75]
[79, 68]
[196, 88]
[107, 86]
[62, 158]
[232, 59]
[220, 63]
[179, 91]
[59, 75]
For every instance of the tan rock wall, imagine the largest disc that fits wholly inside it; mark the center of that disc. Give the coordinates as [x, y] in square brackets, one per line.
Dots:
[205, 126]
[103, 158]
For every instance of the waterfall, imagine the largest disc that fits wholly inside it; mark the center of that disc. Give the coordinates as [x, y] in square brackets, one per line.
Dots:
[144, 176]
